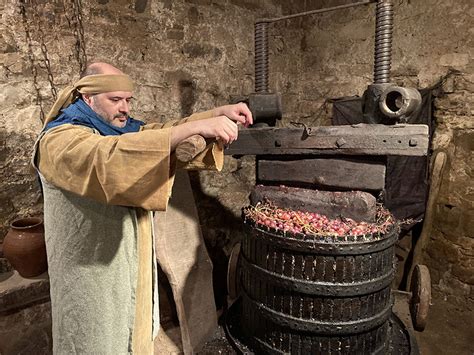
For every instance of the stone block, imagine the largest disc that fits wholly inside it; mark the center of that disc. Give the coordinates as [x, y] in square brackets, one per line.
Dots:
[17, 292]
[140, 6]
[441, 252]
[458, 60]
[449, 218]
[247, 4]
[464, 273]
[199, 2]
[175, 34]
[193, 15]
[453, 286]
[197, 50]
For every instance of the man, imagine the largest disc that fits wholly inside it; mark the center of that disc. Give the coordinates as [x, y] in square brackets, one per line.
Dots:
[102, 173]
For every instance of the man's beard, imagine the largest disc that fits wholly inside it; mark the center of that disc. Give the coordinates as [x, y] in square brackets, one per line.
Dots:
[98, 110]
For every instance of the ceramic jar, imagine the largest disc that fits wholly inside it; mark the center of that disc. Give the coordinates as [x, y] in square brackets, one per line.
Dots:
[24, 246]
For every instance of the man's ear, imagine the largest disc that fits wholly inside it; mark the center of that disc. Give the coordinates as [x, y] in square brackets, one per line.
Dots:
[87, 99]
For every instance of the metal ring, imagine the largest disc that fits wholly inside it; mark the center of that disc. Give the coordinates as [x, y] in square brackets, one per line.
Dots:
[319, 288]
[319, 327]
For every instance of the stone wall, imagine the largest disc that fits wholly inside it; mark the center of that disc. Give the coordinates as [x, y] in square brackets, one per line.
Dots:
[450, 251]
[191, 55]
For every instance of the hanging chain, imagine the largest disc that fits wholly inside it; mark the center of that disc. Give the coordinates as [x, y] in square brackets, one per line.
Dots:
[34, 70]
[81, 55]
[81, 32]
[47, 63]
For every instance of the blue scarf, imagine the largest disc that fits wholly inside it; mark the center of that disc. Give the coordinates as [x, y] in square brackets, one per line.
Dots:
[79, 113]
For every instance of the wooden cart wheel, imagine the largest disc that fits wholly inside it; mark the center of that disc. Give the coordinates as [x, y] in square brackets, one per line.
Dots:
[421, 296]
[233, 273]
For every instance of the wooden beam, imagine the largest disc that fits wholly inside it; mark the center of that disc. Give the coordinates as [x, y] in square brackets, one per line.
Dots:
[339, 173]
[358, 205]
[360, 139]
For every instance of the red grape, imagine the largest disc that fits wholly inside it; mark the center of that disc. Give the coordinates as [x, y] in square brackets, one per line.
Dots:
[267, 215]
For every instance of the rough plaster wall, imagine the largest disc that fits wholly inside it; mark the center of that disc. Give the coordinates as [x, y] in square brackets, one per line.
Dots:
[332, 56]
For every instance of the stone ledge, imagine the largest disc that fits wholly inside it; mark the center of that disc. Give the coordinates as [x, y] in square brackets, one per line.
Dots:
[17, 292]
[27, 330]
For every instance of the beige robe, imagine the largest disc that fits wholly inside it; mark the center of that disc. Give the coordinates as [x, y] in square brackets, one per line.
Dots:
[134, 170]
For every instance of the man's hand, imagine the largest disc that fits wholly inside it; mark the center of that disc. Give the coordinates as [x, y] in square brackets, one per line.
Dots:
[237, 112]
[222, 127]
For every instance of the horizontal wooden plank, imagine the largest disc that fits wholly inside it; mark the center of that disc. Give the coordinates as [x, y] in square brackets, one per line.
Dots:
[358, 205]
[321, 172]
[361, 139]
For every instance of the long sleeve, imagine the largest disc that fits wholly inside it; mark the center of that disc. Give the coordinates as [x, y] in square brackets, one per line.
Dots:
[128, 170]
[211, 158]
[194, 117]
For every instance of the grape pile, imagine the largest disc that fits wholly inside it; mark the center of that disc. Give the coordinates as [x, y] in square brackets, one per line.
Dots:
[267, 216]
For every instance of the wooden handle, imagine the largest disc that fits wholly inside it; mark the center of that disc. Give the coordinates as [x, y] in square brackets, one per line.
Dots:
[189, 148]
[439, 162]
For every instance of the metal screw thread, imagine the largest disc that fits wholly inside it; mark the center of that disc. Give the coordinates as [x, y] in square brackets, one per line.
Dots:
[261, 57]
[383, 41]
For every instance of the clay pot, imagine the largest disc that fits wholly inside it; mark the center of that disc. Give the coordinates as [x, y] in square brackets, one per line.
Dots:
[24, 246]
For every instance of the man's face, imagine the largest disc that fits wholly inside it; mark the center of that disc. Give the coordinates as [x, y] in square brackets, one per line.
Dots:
[113, 107]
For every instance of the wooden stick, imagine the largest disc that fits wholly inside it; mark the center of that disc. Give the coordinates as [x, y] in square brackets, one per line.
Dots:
[439, 161]
[189, 148]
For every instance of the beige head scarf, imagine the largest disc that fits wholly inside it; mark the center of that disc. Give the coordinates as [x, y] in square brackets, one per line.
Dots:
[91, 84]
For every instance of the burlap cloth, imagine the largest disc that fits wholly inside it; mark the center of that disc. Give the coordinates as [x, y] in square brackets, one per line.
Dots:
[183, 257]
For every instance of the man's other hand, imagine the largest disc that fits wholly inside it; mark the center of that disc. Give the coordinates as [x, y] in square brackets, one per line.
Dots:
[220, 127]
[223, 126]
[237, 112]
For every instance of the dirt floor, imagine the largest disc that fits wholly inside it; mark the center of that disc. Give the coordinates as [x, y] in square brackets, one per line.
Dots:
[449, 331]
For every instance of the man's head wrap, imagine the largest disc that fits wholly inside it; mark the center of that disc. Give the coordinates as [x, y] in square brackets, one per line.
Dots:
[91, 84]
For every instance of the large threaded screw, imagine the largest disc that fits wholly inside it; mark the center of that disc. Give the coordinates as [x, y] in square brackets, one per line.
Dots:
[383, 41]
[261, 57]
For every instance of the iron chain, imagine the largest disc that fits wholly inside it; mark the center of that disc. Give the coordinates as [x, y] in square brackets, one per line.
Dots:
[34, 70]
[48, 67]
[81, 55]
[44, 51]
